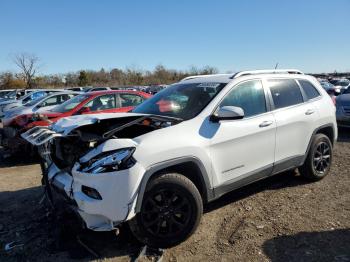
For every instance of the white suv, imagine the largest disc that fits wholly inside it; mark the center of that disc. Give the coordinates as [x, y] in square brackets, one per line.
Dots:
[187, 145]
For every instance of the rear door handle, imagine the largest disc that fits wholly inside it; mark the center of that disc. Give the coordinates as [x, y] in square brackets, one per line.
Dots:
[309, 112]
[266, 123]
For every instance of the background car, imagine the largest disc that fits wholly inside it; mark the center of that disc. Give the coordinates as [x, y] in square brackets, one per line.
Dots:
[342, 84]
[12, 103]
[343, 109]
[4, 93]
[94, 89]
[88, 103]
[39, 105]
[329, 87]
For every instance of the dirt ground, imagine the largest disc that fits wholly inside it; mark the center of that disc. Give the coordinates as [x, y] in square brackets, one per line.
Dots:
[282, 218]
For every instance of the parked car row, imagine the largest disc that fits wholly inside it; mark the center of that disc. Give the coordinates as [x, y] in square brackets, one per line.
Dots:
[44, 107]
[155, 167]
[335, 86]
[339, 90]
[153, 89]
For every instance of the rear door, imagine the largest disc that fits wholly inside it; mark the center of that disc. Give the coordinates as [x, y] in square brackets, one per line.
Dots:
[128, 101]
[295, 119]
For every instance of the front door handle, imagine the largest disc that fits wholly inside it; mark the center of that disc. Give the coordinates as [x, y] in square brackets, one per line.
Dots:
[266, 123]
[309, 112]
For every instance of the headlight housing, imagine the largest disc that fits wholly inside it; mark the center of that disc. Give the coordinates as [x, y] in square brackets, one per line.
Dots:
[109, 161]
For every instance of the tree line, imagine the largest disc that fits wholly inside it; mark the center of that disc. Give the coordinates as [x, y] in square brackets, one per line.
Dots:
[28, 65]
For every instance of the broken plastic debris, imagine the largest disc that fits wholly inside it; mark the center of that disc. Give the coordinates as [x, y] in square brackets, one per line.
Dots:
[156, 253]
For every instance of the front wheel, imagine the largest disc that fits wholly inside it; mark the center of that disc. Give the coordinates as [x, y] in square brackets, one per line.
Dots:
[319, 159]
[170, 212]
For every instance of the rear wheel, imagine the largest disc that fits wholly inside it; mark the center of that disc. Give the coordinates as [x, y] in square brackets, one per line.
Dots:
[171, 211]
[319, 159]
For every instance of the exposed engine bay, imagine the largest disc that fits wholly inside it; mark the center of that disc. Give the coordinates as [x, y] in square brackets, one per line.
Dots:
[65, 150]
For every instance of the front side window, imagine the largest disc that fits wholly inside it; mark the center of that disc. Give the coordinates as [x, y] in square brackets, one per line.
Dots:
[309, 89]
[182, 100]
[285, 92]
[102, 103]
[249, 96]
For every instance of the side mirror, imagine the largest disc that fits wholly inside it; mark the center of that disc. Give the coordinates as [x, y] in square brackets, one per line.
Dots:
[84, 110]
[228, 113]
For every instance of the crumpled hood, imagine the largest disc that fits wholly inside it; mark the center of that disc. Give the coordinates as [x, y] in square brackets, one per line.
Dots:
[67, 124]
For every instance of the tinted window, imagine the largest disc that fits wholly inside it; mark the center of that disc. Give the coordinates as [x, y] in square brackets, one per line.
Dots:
[249, 96]
[310, 91]
[130, 100]
[182, 100]
[102, 103]
[285, 92]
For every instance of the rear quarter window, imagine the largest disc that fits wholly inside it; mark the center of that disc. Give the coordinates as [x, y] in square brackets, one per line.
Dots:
[309, 89]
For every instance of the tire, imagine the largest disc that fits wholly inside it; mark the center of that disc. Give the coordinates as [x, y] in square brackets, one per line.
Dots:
[170, 212]
[319, 159]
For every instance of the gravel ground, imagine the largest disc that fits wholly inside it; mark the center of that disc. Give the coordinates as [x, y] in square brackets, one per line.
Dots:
[282, 218]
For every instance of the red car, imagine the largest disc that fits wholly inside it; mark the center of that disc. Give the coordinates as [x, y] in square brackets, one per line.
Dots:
[110, 101]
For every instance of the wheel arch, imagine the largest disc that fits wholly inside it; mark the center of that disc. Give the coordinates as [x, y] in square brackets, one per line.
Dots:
[328, 130]
[190, 167]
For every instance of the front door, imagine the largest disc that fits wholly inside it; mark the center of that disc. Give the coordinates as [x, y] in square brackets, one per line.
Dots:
[243, 150]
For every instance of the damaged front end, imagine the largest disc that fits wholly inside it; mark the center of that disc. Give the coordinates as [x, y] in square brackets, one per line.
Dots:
[88, 160]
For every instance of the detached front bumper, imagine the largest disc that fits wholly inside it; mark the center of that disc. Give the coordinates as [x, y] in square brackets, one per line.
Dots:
[118, 191]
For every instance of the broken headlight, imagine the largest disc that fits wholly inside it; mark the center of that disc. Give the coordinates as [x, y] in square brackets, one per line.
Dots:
[110, 161]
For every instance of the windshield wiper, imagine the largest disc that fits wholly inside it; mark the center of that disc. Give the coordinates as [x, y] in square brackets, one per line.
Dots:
[167, 117]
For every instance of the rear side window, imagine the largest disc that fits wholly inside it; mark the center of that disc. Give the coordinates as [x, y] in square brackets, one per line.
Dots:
[130, 100]
[310, 91]
[285, 92]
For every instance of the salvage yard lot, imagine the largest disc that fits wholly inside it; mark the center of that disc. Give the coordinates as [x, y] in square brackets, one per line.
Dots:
[282, 218]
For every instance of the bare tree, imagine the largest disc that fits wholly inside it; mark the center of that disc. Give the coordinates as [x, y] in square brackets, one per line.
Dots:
[28, 64]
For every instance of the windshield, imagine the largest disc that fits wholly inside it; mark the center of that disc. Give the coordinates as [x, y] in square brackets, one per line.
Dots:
[3, 93]
[70, 104]
[33, 102]
[181, 100]
[10, 94]
[33, 96]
